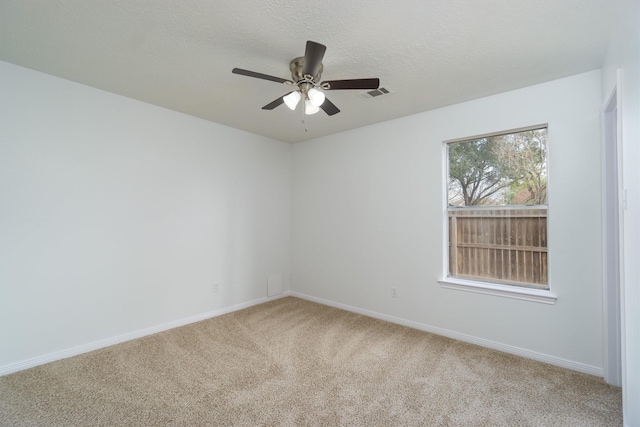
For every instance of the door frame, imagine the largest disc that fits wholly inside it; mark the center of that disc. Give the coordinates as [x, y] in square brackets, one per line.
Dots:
[612, 232]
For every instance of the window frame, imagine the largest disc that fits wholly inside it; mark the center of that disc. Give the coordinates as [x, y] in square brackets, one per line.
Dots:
[488, 287]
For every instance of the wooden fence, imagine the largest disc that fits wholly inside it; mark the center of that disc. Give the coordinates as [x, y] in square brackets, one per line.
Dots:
[500, 245]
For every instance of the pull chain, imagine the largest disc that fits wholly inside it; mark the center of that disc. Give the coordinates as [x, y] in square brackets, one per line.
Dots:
[304, 118]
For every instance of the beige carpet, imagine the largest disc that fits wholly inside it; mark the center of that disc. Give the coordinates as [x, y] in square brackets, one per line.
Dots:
[292, 362]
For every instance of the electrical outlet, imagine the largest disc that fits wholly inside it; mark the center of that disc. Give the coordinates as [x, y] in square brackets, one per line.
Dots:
[394, 292]
[216, 287]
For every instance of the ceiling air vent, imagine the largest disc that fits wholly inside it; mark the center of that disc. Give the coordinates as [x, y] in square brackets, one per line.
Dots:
[377, 92]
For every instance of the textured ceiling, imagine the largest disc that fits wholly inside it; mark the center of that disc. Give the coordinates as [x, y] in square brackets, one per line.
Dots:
[429, 53]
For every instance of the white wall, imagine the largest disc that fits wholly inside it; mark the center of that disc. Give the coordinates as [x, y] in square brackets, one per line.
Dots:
[624, 54]
[368, 215]
[116, 215]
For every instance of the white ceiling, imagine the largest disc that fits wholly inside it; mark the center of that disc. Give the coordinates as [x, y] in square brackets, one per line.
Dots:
[429, 53]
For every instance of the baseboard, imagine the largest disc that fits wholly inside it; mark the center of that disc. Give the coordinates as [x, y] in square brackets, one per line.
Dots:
[96, 345]
[540, 357]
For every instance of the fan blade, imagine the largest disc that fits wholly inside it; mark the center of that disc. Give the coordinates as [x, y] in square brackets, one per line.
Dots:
[259, 75]
[275, 103]
[313, 55]
[351, 84]
[329, 107]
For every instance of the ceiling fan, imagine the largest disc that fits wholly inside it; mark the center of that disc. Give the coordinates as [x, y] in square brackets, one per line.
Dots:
[305, 74]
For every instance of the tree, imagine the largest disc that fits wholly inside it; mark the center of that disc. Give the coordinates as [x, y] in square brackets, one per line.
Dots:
[473, 175]
[522, 160]
[491, 170]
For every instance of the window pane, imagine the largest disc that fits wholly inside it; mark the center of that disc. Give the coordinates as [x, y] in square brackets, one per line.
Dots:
[501, 245]
[499, 170]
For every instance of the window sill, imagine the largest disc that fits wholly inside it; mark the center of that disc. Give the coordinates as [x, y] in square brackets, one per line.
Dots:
[506, 291]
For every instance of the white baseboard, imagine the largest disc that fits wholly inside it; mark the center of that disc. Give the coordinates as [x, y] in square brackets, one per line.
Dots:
[96, 345]
[552, 360]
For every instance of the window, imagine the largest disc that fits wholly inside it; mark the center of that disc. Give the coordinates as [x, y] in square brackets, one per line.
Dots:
[497, 208]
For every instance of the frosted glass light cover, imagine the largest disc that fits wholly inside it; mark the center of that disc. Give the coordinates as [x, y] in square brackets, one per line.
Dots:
[292, 99]
[309, 108]
[316, 97]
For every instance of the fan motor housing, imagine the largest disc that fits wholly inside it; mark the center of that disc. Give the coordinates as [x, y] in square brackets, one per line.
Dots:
[296, 66]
